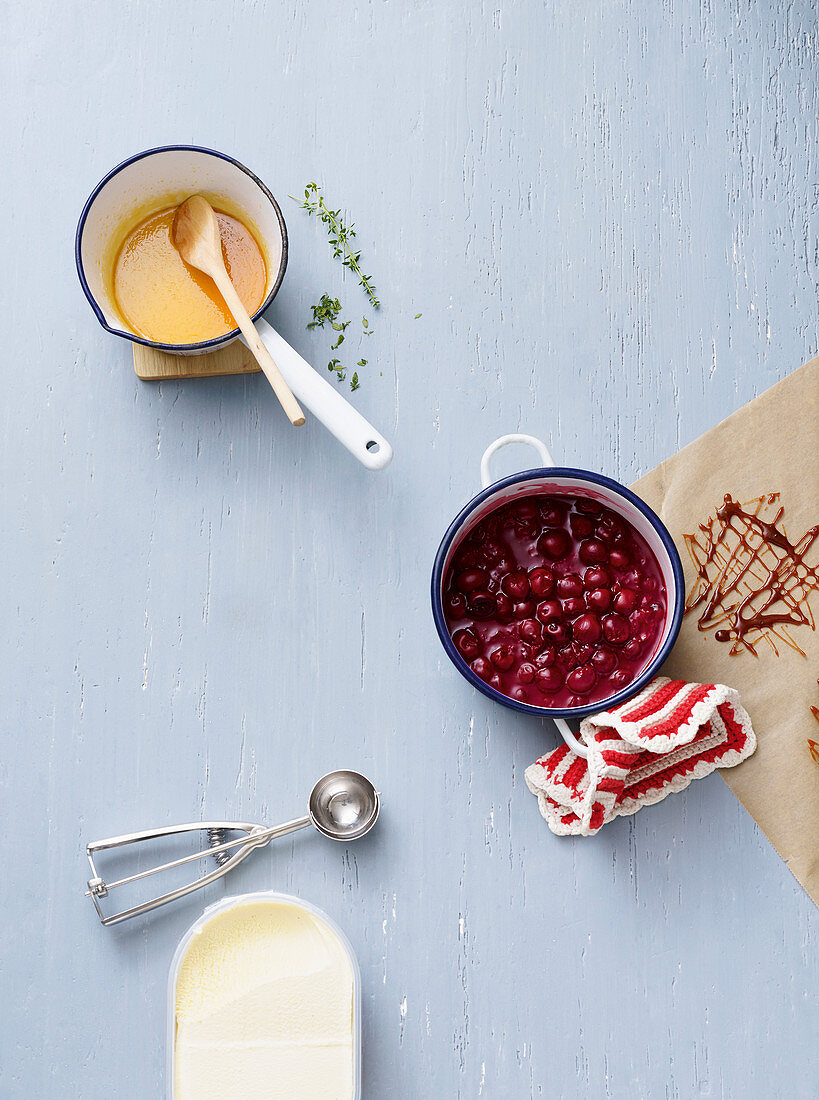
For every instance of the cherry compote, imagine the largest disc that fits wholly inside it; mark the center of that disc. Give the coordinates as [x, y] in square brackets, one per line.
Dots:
[556, 601]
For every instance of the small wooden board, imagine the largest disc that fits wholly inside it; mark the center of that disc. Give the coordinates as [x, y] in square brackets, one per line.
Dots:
[154, 366]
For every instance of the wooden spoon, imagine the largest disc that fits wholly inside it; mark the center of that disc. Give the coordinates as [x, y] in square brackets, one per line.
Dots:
[196, 237]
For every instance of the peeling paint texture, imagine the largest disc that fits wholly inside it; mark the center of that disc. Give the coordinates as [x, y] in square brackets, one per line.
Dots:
[607, 214]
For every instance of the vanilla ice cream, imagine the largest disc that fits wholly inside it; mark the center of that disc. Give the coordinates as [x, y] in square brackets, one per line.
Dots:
[264, 1007]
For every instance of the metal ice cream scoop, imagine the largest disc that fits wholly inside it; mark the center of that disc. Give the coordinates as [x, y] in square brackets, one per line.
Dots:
[343, 805]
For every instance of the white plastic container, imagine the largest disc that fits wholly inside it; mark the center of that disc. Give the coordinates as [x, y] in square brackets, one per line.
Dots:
[255, 899]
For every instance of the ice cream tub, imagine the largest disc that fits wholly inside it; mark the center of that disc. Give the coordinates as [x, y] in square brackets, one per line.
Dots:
[264, 1000]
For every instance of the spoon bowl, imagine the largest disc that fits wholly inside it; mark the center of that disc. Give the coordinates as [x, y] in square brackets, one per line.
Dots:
[344, 805]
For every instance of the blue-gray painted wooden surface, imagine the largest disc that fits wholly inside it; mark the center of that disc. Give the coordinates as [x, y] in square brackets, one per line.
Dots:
[607, 214]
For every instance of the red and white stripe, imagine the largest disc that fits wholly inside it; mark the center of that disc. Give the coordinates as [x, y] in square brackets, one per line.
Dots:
[640, 752]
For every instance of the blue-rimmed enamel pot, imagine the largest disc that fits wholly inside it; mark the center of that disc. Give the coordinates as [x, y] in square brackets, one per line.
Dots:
[164, 177]
[556, 480]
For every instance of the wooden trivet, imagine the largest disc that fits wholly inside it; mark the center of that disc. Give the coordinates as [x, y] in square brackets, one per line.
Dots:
[155, 366]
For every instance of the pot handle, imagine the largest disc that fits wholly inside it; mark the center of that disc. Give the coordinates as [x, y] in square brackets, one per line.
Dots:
[565, 731]
[326, 403]
[540, 447]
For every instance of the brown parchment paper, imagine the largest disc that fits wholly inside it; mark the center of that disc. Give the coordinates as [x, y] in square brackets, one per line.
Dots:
[769, 446]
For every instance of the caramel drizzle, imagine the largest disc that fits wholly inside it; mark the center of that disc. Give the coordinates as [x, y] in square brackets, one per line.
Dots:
[752, 583]
[813, 746]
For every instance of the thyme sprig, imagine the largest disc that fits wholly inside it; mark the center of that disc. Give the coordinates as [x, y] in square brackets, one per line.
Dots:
[341, 235]
[326, 310]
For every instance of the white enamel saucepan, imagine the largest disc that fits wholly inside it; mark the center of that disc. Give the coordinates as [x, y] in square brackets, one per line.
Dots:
[545, 479]
[165, 177]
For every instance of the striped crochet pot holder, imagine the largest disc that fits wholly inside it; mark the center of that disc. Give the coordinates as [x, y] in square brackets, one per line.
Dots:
[658, 742]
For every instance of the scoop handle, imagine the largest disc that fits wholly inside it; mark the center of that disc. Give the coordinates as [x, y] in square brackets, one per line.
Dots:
[325, 402]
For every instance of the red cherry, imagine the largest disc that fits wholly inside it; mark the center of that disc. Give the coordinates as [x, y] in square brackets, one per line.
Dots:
[531, 630]
[581, 680]
[604, 661]
[588, 507]
[466, 643]
[526, 509]
[574, 606]
[524, 610]
[495, 682]
[481, 667]
[516, 585]
[620, 678]
[641, 620]
[542, 582]
[456, 605]
[471, 579]
[518, 693]
[549, 610]
[625, 601]
[503, 607]
[466, 557]
[526, 673]
[492, 551]
[581, 526]
[599, 599]
[616, 629]
[482, 604]
[619, 558]
[633, 648]
[587, 628]
[554, 544]
[503, 657]
[597, 577]
[568, 656]
[610, 528]
[546, 657]
[570, 585]
[593, 552]
[552, 512]
[558, 632]
[550, 680]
